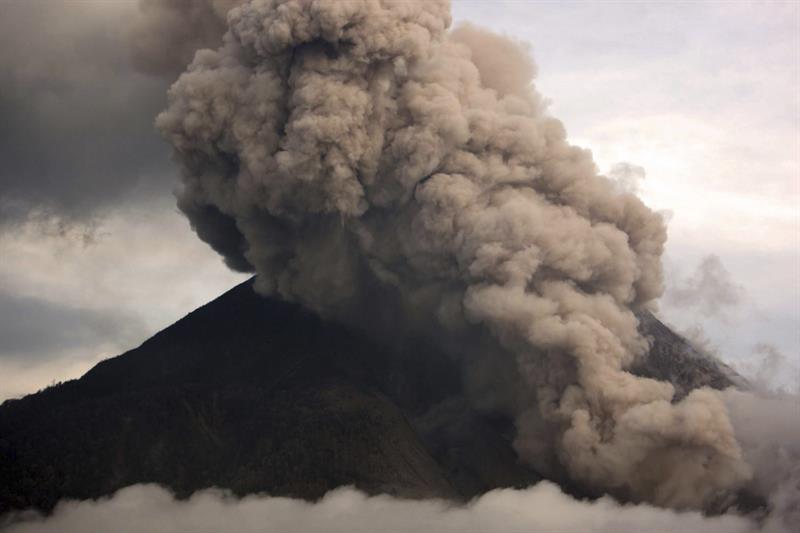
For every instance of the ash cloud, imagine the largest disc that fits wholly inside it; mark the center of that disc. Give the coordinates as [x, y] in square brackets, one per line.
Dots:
[373, 166]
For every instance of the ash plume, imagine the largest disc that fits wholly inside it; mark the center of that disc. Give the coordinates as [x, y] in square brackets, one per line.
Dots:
[383, 171]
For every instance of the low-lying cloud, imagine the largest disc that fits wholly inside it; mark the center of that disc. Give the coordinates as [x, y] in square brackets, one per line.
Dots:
[543, 507]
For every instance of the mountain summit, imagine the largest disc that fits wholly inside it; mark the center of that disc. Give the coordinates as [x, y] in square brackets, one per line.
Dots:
[258, 395]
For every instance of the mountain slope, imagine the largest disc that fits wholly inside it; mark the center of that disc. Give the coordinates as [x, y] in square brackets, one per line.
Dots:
[257, 395]
[672, 358]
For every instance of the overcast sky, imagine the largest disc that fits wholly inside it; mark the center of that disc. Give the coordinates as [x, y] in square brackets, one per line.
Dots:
[695, 105]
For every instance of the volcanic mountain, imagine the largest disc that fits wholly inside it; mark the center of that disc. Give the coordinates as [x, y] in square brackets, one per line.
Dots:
[259, 395]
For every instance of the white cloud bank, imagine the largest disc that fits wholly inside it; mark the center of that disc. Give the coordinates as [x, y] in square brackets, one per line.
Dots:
[543, 507]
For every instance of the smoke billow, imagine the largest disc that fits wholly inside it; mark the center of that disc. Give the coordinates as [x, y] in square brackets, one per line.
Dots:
[381, 170]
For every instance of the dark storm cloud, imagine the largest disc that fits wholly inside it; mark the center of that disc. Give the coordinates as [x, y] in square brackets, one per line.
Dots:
[166, 33]
[33, 329]
[76, 133]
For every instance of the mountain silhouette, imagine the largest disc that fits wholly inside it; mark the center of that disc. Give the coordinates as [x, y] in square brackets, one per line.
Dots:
[258, 395]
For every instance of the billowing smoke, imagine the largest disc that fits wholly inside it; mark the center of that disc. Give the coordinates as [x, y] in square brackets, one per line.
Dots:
[383, 171]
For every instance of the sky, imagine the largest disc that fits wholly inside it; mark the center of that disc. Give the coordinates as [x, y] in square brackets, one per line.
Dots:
[694, 105]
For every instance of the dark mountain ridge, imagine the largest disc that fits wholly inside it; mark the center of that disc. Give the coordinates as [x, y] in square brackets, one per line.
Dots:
[258, 395]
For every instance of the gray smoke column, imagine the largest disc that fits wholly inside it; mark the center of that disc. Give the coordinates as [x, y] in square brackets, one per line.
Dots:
[382, 171]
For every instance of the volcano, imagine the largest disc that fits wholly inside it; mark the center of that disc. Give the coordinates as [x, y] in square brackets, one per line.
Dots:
[258, 395]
